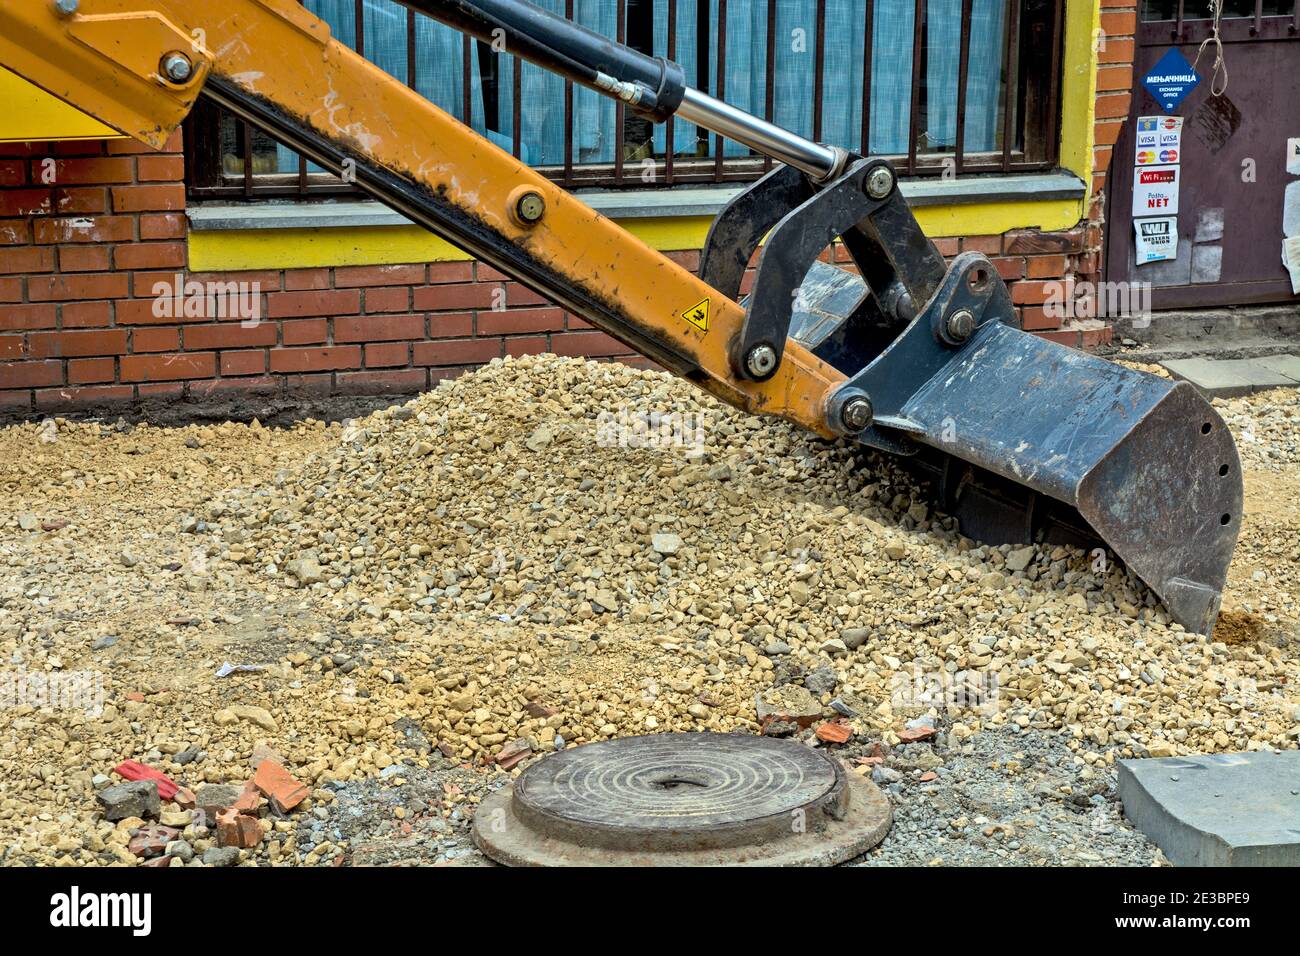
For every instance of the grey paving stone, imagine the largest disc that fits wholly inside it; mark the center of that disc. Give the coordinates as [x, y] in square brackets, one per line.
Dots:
[1211, 377]
[1238, 809]
[1227, 378]
[1287, 365]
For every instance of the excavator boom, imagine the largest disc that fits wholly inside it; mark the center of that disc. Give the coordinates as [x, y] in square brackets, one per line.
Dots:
[1027, 440]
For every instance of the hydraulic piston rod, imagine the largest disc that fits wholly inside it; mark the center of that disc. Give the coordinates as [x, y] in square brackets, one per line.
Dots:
[816, 160]
[651, 86]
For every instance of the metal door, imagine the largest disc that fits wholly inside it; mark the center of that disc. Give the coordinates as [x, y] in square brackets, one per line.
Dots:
[1234, 155]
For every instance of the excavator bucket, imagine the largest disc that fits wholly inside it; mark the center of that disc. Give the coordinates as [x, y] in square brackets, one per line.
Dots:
[1030, 441]
[1026, 440]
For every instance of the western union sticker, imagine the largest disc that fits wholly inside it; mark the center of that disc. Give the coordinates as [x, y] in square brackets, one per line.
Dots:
[698, 315]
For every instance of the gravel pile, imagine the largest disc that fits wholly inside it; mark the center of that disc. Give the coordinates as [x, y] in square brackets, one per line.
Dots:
[549, 552]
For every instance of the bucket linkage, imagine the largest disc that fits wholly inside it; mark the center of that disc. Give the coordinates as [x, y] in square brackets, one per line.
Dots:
[1027, 441]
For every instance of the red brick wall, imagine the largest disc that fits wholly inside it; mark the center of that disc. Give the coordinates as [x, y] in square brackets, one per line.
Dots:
[80, 257]
[1114, 92]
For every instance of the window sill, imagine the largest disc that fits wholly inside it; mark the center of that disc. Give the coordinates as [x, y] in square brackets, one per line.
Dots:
[685, 202]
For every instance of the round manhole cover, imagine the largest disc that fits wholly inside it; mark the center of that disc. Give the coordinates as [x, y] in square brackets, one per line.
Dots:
[683, 799]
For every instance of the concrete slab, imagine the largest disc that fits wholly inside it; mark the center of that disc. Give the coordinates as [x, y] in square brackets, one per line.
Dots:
[1227, 378]
[1285, 365]
[1211, 377]
[1238, 809]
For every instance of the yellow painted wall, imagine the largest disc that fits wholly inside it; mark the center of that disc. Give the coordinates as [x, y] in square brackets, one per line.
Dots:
[29, 113]
[294, 248]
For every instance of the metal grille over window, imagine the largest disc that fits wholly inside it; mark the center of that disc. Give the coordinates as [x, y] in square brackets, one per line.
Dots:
[924, 82]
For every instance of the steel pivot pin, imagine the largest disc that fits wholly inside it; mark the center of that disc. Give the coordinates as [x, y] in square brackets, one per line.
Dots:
[961, 325]
[857, 414]
[880, 182]
[761, 361]
[530, 207]
[177, 67]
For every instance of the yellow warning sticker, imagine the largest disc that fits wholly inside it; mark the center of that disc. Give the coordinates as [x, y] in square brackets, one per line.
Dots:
[698, 315]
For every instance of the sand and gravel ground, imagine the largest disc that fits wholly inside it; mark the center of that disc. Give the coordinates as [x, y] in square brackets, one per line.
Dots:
[549, 552]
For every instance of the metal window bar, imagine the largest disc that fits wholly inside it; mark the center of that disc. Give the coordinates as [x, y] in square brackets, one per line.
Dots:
[714, 165]
[913, 116]
[721, 86]
[868, 38]
[517, 111]
[769, 74]
[1010, 87]
[670, 144]
[620, 115]
[1054, 89]
[963, 67]
[819, 71]
[568, 116]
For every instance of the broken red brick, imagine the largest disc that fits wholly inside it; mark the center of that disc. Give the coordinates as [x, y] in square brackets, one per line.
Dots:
[185, 798]
[247, 801]
[509, 763]
[135, 697]
[535, 708]
[134, 770]
[912, 735]
[279, 786]
[55, 524]
[151, 840]
[928, 776]
[513, 752]
[833, 732]
[159, 862]
[236, 829]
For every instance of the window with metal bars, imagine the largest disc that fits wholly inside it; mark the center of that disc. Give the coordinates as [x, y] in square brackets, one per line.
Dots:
[1158, 10]
[940, 86]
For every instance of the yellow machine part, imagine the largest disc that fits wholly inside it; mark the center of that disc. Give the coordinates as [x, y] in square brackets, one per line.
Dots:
[33, 115]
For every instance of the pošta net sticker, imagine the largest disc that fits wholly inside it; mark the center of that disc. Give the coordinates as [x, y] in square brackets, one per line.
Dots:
[1155, 191]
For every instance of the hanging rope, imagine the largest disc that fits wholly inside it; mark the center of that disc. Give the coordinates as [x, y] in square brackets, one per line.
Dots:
[1219, 80]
